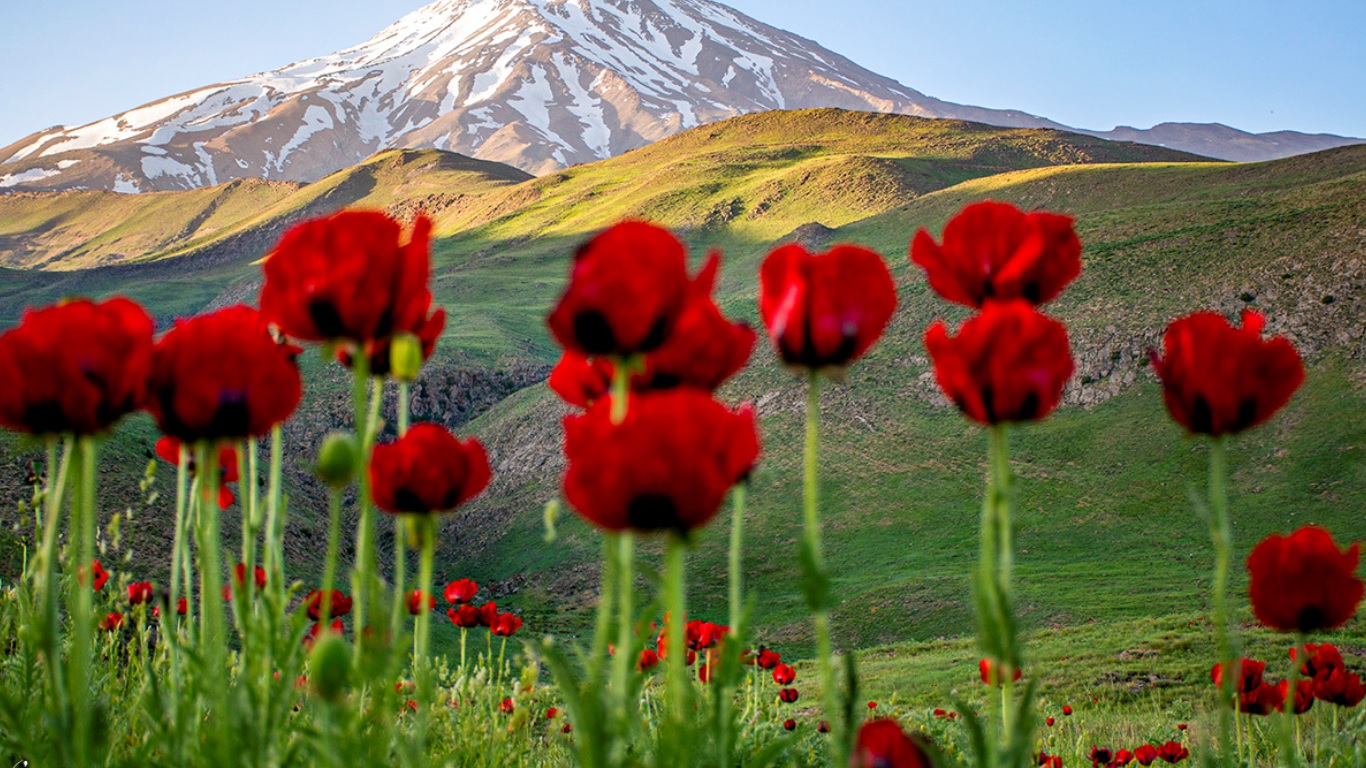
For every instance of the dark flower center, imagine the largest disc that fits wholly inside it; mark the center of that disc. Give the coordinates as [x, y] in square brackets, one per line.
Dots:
[653, 512]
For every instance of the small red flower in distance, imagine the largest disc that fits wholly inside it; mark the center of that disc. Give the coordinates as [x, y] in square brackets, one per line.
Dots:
[627, 288]
[1101, 756]
[75, 367]
[1049, 761]
[506, 625]
[168, 450]
[465, 617]
[1304, 695]
[788, 695]
[872, 705]
[648, 660]
[768, 659]
[784, 675]
[111, 622]
[1007, 363]
[551, 713]
[1049, 721]
[1067, 710]
[139, 592]
[239, 574]
[1122, 757]
[882, 744]
[1172, 752]
[427, 470]
[1303, 582]
[567, 728]
[666, 467]
[704, 349]
[823, 726]
[995, 251]
[349, 276]
[989, 675]
[1218, 380]
[101, 575]
[419, 601]
[825, 310]
[506, 706]
[1249, 678]
[1146, 754]
[182, 606]
[222, 376]
[341, 604]
[580, 381]
[790, 724]
[488, 613]
[461, 591]
[318, 628]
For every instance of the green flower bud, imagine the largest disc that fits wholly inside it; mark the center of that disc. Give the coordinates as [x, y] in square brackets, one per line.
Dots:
[338, 460]
[405, 357]
[329, 665]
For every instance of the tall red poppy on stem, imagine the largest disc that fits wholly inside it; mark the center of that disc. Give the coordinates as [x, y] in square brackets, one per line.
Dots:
[704, 349]
[349, 276]
[1303, 582]
[825, 310]
[1249, 675]
[222, 376]
[168, 450]
[882, 744]
[627, 287]
[667, 466]
[75, 367]
[995, 251]
[340, 605]
[461, 591]
[1009, 363]
[1221, 380]
[427, 470]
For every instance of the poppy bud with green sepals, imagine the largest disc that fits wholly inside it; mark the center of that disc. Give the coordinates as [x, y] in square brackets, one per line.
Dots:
[338, 460]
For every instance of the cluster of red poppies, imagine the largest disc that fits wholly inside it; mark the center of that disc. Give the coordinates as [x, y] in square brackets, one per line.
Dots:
[139, 593]
[462, 613]
[1171, 752]
[1324, 676]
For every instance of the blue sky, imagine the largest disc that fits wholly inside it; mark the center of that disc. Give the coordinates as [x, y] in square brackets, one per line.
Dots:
[1254, 65]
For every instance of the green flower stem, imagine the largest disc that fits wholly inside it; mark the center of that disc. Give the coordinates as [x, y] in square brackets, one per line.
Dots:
[182, 485]
[365, 530]
[1289, 740]
[675, 602]
[275, 517]
[737, 538]
[213, 640]
[48, 586]
[403, 407]
[426, 528]
[245, 603]
[621, 662]
[817, 586]
[1222, 537]
[187, 559]
[82, 617]
[998, 565]
[606, 598]
[334, 502]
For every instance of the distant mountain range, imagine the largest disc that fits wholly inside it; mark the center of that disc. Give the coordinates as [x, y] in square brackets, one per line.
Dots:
[537, 84]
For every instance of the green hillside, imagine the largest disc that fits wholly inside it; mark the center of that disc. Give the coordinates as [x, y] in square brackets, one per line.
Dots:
[1107, 531]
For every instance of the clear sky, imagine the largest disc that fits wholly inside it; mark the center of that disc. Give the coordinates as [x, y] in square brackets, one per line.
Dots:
[1258, 65]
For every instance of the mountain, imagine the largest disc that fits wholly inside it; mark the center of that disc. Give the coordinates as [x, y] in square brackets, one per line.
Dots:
[537, 84]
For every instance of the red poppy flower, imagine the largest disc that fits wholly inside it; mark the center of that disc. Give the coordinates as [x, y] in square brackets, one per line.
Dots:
[419, 601]
[379, 352]
[1122, 757]
[581, 381]
[551, 713]
[1339, 687]
[1320, 660]
[995, 251]
[506, 625]
[341, 604]
[788, 695]
[627, 288]
[1304, 695]
[1067, 710]
[1172, 752]
[348, 276]
[488, 613]
[1248, 680]
[648, 660]
[1218, 380]
[239, 575]
[465, 617]
[825, 310]
[567, 728]
[101, 575]
[139, 592]
[461, 591]
[882, 744]
[182, 606]
[1049, 761]
[1101, 756]
[1146, 754]
[111, 622]
[1180, 726]
[335, 628]
[168, 450]
[667, 466]
[222, 376]
[427, 470]
[1049, 721]
[784, 675]
[704, 349]
[989, 674]
[823, 726]
[506, 706]
[1302, 582]
[701, 635]
[767, 659]
[1008, 363]
[1262, 701]
[790, 724]
[75, 367]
